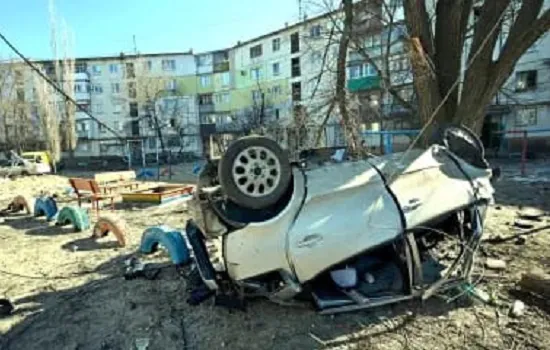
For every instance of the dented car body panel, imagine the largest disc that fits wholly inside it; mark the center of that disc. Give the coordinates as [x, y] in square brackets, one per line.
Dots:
[336, 214]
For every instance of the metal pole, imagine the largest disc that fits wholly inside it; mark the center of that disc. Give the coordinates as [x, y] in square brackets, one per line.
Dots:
[143, 163]
[523, 152]
[129, 155]
[158, 160]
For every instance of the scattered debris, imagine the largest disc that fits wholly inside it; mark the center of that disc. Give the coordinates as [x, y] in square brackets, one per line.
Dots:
[495, 264]
[517, 309]
[531, 214]
[520, 223]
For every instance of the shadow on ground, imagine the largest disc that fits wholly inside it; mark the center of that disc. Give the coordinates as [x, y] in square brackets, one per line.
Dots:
[110, 312]
[89, 244]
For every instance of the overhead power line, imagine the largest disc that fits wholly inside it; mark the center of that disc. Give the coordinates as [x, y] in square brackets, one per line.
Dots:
[57, 88]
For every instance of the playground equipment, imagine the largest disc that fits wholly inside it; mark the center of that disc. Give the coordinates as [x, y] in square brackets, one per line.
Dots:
[20, 203]
[158, 195]
[113, 224]
[45, 206]
[524, 143]
[75, 216]
[172, 240]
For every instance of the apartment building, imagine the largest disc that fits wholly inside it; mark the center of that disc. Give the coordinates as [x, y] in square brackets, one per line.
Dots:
[283, 78]
[523, 103]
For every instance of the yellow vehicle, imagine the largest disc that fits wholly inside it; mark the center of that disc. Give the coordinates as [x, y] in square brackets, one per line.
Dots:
[40, 162]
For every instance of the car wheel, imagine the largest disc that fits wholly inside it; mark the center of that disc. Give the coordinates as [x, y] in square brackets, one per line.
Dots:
[254, 172]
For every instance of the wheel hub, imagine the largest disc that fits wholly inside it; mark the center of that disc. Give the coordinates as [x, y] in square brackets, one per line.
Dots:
[256, 171]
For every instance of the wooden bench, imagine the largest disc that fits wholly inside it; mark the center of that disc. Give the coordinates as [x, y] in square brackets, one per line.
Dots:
[89, 189]
[112, 180]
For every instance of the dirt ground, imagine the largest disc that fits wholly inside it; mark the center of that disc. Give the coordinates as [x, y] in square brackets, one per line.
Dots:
[70, 294]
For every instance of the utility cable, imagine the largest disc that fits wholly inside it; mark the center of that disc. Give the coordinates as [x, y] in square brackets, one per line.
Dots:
[57, 88]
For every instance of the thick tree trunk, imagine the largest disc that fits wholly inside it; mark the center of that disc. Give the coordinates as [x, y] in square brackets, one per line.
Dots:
[350, 133]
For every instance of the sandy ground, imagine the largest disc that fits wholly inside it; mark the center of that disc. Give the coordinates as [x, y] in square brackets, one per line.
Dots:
[70, 294]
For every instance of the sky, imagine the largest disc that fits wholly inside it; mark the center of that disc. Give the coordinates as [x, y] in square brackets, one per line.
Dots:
[107, 27]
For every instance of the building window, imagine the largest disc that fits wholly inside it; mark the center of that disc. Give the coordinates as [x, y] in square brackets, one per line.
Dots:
[113, 68]
[117, 125]
[205, 80]
[130, 71]
[78, 88]
[276, 69]
[117, 108]
[96, 70]
[81, 67]
[276, 90]
[97, 107]
[396, 3]
[277, 113]
[256, 73]
[226, 79]
[294, 42]
[115, 88]
[256, 51]
[173, 141]
[204, 60]
[526, 80]
[133, 109]
[355, 71]
[205, 99]
[152, 142]
[97, 89]
[256, 95]
[295, 64]
[296, 91]
[369, 70]
[83, 126]
[316, 57]
[132, 92]
[171, 84]
[276, 44]
[526, 116]
[148, 66]
[169, 65]
[83, 146]
[315, 31]
[221, 98]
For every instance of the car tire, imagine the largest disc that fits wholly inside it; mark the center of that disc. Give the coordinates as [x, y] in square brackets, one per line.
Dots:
[254, 172]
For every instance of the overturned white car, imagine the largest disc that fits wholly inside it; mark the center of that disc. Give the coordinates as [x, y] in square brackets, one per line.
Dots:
[346, 235]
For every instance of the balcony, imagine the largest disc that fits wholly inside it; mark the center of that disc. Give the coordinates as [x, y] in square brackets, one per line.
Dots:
[206, 108]
[363, 84]
[221, 67]
[84, 134]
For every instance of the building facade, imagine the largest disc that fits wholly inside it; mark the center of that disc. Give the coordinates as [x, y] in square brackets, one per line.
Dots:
[283, 81]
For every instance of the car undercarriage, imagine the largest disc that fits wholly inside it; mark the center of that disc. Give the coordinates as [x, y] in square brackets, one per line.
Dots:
[344, 235]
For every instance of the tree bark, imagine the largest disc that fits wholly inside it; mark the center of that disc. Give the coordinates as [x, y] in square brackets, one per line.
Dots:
[485, 76]
[349, 128]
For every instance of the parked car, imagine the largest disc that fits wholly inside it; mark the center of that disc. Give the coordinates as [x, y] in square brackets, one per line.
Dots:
[29, 163]
[346, 235]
